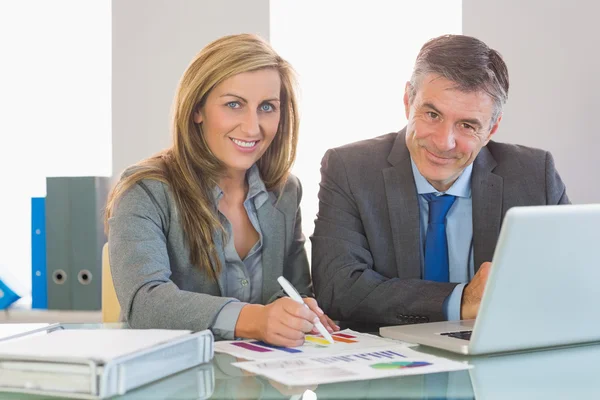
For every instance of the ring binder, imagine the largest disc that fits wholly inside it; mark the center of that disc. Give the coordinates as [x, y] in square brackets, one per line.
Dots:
[92, 377]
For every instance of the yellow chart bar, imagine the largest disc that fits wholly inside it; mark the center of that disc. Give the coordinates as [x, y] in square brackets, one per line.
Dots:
[317, 340]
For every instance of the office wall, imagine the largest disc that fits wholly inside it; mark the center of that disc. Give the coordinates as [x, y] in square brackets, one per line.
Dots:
[54, 110]
[58, 113]
[353, 64]
[550, 48]
[153, 43]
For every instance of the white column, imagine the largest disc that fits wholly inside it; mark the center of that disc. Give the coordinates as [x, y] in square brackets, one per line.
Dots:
[353, 61]
[153, 43]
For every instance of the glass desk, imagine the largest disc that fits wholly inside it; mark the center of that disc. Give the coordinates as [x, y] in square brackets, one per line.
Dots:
[564, 373]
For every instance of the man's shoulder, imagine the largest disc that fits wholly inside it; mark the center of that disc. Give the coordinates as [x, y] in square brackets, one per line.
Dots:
[515, 155]
[369, 152]
[379, 143]
[513, 160]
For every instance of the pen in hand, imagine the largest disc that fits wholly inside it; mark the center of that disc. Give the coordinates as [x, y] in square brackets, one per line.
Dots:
[294, 295]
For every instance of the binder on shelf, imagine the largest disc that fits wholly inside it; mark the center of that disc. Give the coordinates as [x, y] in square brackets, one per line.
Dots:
[99, 363]
[39, 293]
[74, 240]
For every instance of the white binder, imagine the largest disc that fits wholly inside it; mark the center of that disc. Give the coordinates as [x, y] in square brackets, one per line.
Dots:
[59, 362]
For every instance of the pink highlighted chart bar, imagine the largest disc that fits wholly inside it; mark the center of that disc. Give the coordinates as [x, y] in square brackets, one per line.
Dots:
[344, 335]
[251, 347]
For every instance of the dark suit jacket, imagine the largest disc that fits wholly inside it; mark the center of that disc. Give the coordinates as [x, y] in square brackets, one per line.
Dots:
[366, 263]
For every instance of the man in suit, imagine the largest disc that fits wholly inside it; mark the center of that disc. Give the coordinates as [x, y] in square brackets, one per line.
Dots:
[408, 221]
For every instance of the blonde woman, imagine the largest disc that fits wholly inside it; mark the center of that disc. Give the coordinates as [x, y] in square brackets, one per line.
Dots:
[199, 233]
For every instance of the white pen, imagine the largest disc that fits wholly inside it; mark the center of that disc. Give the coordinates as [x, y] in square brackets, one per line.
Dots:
[294, 295]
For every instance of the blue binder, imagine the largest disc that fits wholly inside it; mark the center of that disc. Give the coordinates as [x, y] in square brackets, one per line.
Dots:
[39, 288]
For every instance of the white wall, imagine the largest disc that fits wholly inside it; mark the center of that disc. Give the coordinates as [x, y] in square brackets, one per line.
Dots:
[353, 61]
[55, 109]
[551, 49]
[153, 43]
[57, 63]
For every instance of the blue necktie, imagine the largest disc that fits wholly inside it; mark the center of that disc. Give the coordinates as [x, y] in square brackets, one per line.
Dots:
[436, 245]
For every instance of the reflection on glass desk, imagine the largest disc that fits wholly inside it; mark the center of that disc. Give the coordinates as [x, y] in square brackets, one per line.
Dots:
[564, 373]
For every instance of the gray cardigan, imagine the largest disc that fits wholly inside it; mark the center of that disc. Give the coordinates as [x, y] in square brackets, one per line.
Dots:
[156, 285]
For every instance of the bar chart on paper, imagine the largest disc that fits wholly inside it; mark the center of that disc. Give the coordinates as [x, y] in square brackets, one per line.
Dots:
[350, 365]
[400, 365]
[313, 345]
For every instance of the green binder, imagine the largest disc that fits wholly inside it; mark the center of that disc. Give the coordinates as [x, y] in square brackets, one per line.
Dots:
[74, 240]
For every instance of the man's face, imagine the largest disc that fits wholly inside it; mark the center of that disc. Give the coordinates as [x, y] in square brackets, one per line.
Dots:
[446, 128]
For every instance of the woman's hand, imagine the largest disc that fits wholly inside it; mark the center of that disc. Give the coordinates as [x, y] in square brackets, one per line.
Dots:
[325, 320]
[282, 323]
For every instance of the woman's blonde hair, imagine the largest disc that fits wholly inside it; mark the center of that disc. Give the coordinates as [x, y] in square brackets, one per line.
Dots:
[189, 168]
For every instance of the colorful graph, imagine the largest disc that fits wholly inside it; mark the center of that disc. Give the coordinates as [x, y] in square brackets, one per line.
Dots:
[262, 347]
[337, 337]
[400, 365]
[316, 340]
[344, 335]
[251, 347]
[272, 346]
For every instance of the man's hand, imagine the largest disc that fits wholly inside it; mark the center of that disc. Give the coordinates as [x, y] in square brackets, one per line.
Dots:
[473, 292]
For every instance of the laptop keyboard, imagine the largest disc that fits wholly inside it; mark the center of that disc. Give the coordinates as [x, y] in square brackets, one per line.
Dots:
[465, 335]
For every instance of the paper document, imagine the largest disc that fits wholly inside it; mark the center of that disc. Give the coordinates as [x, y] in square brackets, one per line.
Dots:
[313, 345]
[11, 331]
[350, 365]
[89, 344]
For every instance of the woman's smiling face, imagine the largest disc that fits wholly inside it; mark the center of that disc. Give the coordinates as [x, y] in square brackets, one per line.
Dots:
[240, 117]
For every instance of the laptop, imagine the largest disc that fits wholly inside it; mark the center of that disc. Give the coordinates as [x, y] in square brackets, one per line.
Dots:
[542, 290]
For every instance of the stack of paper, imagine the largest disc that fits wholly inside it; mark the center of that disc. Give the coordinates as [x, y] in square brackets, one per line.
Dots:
[353, 356]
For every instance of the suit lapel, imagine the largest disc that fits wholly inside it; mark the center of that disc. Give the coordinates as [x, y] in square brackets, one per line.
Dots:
[272, 226]
[487, 189]
[403, 206]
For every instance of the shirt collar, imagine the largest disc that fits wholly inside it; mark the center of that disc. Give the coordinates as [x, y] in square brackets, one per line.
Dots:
[460, 188]
[256, 188]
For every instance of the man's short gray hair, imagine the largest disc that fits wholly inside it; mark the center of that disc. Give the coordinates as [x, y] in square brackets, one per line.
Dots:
[466, 61]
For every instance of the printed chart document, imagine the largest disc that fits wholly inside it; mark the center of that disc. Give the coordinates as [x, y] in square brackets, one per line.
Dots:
[350, 365]
[314, 345]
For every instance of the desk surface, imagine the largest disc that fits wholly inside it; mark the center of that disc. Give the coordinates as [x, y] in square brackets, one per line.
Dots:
[550, 374]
